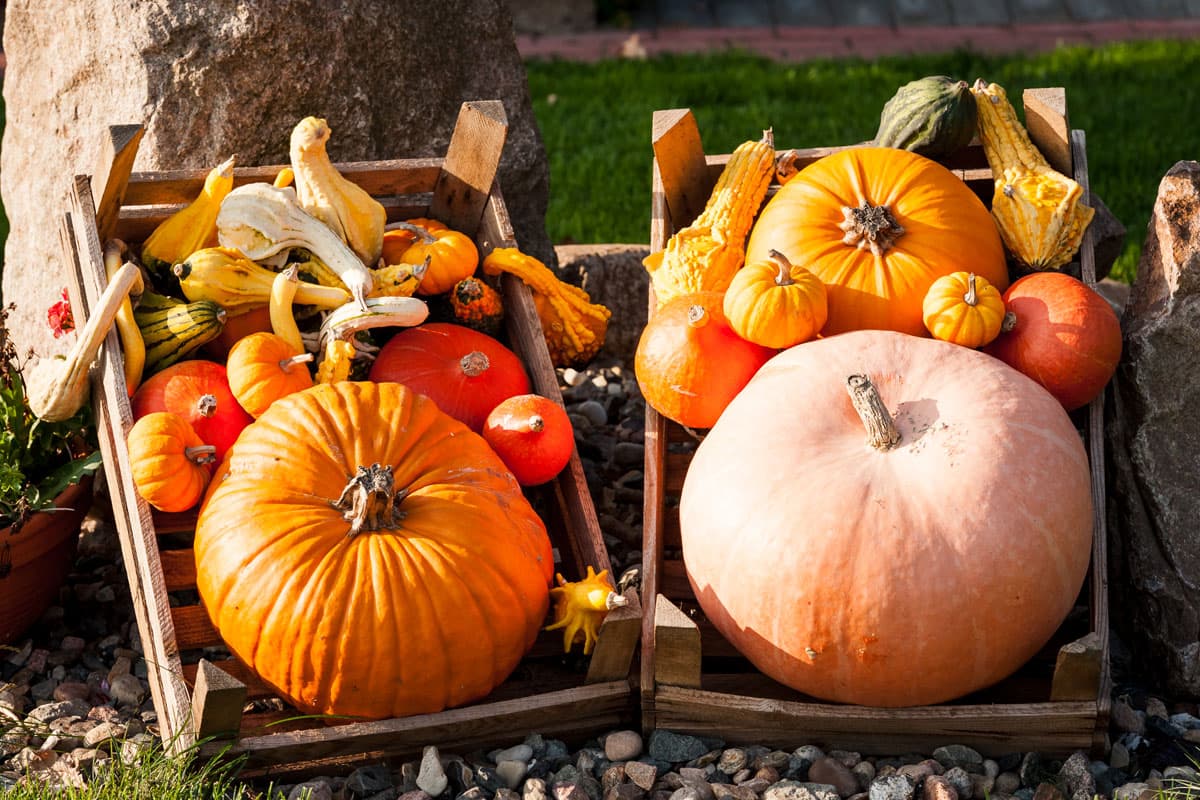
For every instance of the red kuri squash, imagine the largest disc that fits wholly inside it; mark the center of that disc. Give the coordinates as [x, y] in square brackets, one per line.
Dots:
[1066, 336]
[931, 562]
[416, 585]
[198, 391]
[467, 373]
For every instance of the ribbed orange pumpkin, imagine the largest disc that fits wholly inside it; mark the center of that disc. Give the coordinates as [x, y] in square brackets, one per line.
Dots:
[885, 576]
[169, 461]
[430, 604]
[264, 367]
[878, 226]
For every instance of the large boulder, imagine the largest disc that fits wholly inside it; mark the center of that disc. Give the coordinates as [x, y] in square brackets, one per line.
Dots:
[1154, 446]
[211, 79]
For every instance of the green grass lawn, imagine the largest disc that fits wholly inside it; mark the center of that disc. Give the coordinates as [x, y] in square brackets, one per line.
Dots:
[1137, 102]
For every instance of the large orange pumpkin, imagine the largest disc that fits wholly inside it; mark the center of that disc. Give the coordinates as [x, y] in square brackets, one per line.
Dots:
[897, 573]
[355, 590]
[878, 226]
[1066, 336]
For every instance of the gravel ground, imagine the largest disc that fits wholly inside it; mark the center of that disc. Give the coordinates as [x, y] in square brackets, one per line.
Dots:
[73, 692]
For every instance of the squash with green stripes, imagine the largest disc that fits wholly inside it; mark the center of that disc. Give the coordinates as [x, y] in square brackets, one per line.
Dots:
[173, 331]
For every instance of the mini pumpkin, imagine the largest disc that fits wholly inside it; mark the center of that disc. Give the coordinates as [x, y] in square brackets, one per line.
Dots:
[532, 435]
[264, 367]
[169, 461]
[963, 308]
[198, 391]
[452, 255]
[775, 303]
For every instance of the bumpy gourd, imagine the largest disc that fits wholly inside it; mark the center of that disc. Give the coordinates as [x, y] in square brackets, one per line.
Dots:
[1039, 211]
[580, 606]
[704, 256]
[574, 327]
[237, 284]
[192, 227]
[335, 366]
[963, 308]
[477, 305]
[261, 220]
[775, 303]
[325, 193]
[933, 116]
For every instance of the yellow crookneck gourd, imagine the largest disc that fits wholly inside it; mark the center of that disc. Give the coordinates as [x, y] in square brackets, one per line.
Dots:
[1039, 211]
[704, 256]
[574, 326]
[580, 607]
[325, 193]
[192, 227]
[335, 366]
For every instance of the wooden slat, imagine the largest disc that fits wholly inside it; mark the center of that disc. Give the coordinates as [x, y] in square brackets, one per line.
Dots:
[472, 160]
[179, 569]
[111, 178]
[616, 642]
[378, 178]
[676, 646]
[110, 404]
[217, 702]
[174, 522]
[675, 472]
[1047, 122]
[598, 706]
[1055, 729]
[679, 155]
[193, 628]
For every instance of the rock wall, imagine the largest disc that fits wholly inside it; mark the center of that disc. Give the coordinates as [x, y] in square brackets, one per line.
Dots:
[215, 78]
[1153, 430]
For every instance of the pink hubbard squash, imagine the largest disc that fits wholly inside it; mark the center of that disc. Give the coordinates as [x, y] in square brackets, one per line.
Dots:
[912, 570]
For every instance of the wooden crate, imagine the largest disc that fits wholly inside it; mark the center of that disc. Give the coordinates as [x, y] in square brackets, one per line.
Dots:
[196, 697]
[694, 681]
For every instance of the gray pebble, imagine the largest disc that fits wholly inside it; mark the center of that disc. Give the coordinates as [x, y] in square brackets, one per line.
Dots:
[520, 752]
[623, 745]
[958, 755]
[960, 779]
[797, 790]
[893, 787]
[431, 778]
[594, 412]
[512, 771]
[641, 773]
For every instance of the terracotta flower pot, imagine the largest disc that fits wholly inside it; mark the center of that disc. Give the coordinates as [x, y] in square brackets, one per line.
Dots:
[35, 561]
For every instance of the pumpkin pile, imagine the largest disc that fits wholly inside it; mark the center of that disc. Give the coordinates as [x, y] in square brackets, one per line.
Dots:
[879, 368]
[357, 462]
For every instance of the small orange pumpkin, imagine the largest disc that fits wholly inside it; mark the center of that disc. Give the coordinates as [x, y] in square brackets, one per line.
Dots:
[775, 303]
[532, 435]
[690, 363]
[169, 461]
[963, 308]
[452, 255]
[264, 367]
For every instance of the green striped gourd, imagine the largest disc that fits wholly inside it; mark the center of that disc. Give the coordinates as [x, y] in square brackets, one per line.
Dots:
[173, 331]
[932, 116]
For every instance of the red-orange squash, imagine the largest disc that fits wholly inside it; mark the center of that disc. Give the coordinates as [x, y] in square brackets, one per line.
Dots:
[878, 226]
[690, 363]
[385, 563]
[532, 435]
[932, 561]
[198, 391]
[1066, 336]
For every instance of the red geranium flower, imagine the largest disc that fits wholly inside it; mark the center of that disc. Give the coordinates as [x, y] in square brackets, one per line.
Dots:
[59, 316]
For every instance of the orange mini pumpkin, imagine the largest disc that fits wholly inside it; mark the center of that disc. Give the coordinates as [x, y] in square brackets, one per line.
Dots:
[775, 303]
[963, 308]
[382, 564]
[264, 367]
[452, 255]
[878, 226]
[169, 461]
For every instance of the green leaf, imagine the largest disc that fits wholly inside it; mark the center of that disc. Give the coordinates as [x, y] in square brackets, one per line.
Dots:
[71, 472]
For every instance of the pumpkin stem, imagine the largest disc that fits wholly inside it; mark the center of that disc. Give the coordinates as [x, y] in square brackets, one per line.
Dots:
[787, 166]
[474, 363]
[697, 317]
[370, 499]
[288, 363]
[201, 454]
[416, 230]
[1009, 322]
[871, 227]
[207, 405]
[784, 278]
[971, 298]
[881, 428]
[536, 423]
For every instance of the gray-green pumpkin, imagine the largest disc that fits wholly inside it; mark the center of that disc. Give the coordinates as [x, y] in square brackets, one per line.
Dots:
[932, 116]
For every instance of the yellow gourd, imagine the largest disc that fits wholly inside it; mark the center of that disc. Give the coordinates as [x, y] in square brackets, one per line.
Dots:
[1039, 211]
[192, 227]
[704, 256]
[963, 308]
[580, 607]
[341, 204]
[237, 284]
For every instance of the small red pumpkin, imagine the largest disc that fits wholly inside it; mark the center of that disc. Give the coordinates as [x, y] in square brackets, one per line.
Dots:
[1066, 336]
[198, 391]
[532, 435]
[689, 361]
[467, 373]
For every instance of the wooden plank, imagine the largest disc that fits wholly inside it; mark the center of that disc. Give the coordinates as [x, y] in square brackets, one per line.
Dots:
[110, 403]
[193, 628]
[1077, 671]
[676, 646]
[679, 155]
[1046, 121]
[378, 178]
[675, 472]
[217, 702]
[1055, 729]
[179, 569]
[255, 688]
[113, 168]
[612, 656]
[472, 160]
[601, 705]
